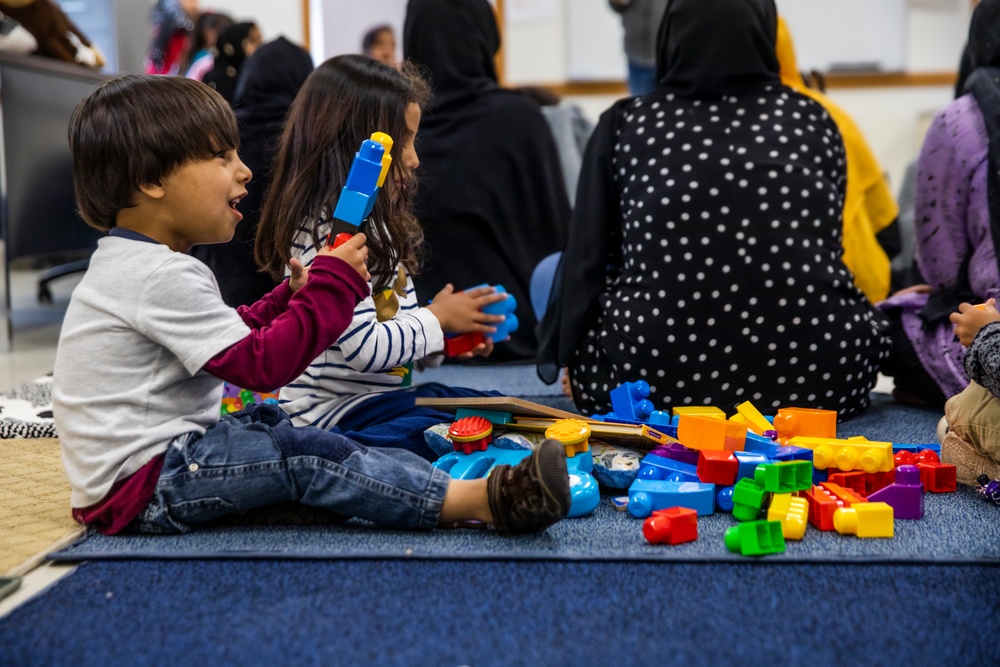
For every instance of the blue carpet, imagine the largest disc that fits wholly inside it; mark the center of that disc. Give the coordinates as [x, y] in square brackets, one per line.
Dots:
[503, 613]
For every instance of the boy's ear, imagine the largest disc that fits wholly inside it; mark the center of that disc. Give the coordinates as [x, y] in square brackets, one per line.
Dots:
[152, 190]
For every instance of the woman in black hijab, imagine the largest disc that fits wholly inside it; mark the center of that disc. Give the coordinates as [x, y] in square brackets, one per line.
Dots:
[705, 251]
[268, 82]
[235, 44]
[491, 198]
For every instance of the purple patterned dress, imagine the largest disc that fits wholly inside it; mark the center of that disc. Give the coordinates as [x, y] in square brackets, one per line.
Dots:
[952, 225]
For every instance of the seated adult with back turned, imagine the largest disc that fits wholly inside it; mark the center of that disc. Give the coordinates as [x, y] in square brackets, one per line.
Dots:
[705, 251]
[491, 199]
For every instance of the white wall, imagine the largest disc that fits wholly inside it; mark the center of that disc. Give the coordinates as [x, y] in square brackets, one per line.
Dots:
[273, 17]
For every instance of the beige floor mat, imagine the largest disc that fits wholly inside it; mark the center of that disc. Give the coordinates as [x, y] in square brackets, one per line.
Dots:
[34, 503]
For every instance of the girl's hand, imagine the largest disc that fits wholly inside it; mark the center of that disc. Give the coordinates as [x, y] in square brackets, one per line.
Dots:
[300, 275]
[970, 319]
[461, 312]
[352, 251]
[484, 349]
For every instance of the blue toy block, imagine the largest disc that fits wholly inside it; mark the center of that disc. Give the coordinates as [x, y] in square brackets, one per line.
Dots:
[660, 467]
[506, 308]
[916, 449]
[793, 453]
[629, 401]
[759, 443]
[820, 475]
[583, 488]
[662, 419]
[724, 499]
[748, 463]
[358, 195]
[648, 495]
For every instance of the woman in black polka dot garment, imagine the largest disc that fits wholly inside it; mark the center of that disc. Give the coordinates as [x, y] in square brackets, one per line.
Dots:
[705, 251]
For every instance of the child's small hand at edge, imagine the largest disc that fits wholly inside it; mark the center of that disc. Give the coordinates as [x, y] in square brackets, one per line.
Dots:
[354, 252]
[461, 312]
[969, 320]
[484, 349]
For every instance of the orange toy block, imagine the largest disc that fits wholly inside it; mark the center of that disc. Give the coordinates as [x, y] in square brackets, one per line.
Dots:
[715, 467]
[698, 432]
[790, 422]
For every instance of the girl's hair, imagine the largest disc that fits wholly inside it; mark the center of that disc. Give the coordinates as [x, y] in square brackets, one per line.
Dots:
[341, 104]
[137, 129]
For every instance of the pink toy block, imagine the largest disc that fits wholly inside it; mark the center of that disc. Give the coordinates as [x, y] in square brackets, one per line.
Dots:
[674, 525]
[715, 467]
[905, 495]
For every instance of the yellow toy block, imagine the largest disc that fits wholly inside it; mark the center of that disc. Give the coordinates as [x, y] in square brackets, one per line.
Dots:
[755, 420]
[659, 437]
[700, 432]
[865, 520]
[792, 512]
[701, 410]
[847, 455]
[574, 434]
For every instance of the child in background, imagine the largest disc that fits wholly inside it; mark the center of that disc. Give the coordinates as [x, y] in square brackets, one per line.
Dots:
[380, 43]
[352, 385]
[971, 424]
[201, 58]
[173, 21]
[236, 43]
[148, 341]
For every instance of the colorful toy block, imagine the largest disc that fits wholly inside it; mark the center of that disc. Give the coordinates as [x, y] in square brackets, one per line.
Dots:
[716, 467]
[724, 499]
[755, 538]
[755, 421]
[629, 401]
[784, 477]
[846, 496]
[791, 512]
[700, 410]
[905, 495]
[748, 498]
[574, 434]
[455, 345]
[847, 455]
[790, 422]
[677, 452]
[989, 488]
[471, 434]
[748, 463]
[916, 449]
[865, 520]
[662, 468]
[855, 481]
[585, 494]
[698, 432]
[822, 505]
[938, 477]
[674, 525]
[361, 186]
[647, 495]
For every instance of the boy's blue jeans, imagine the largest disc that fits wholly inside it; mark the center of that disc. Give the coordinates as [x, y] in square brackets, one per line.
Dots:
[256, 457]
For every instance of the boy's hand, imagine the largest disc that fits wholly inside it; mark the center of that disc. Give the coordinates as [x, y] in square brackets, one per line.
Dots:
[300, 275]
[969, 320]
[352, 251]
[460, 312]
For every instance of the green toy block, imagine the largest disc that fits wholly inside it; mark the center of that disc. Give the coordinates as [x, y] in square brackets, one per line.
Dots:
[784, 477]
[494, 417]
[748, 498]
[756, 538]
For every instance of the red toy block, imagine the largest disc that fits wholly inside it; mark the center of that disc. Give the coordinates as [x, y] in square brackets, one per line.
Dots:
[673, 525]
[938, 477]
[848, 496]
[466, 342]
[928, 456]
[822, 505]
[471, 434]
[855, 481]
[904, 458]
[715, 467]
[876, 481]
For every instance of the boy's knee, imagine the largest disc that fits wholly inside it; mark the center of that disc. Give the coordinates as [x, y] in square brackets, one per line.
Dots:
[295, 441]
[973, 416]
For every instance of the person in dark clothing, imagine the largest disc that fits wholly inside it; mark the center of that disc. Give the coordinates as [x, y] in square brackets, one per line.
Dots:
[269, 81]
[236, 43]
[491, 200]
[705, 254]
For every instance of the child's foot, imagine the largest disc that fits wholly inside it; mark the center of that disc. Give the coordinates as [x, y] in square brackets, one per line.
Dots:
[532, 495]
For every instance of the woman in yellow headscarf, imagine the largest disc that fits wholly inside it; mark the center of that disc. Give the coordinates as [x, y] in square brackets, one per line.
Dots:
[869, 206]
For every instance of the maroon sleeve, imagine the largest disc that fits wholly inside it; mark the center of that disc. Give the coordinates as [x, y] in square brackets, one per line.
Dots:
[274, 355]
[263, 312]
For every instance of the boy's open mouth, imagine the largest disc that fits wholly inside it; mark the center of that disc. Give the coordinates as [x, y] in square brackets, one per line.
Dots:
[234, 202]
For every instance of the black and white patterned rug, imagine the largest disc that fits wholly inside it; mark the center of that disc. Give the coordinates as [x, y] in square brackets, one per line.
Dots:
[26, 411]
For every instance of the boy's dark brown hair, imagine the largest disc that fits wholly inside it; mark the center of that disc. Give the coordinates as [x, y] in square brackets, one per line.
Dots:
[341, 104]
[137, 129]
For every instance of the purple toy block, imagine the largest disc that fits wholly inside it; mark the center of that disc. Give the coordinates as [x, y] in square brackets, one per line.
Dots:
[677, 452]
[905, 496]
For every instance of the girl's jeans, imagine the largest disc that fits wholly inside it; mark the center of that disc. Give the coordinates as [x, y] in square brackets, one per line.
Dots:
[256, 457]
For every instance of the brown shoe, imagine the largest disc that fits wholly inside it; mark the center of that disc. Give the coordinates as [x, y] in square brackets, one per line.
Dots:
[532, 495]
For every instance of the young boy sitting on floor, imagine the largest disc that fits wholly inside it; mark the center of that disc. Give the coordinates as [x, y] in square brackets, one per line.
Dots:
[148, 341]
[970, 429]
